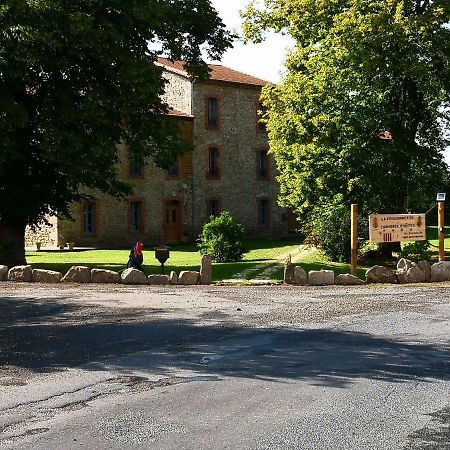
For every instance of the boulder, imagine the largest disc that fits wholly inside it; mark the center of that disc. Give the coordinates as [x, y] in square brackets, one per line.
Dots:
[425, 267]
[348, 279]
[300, 277]
[173, 277]
[46, 276]
[189, 277]
[3, 273]
[380, 274]
[320, 277]
[404, 264]
[288, 270]
[158, 279]
[440, 271]
[78, 274]
[133, 276]
[206, 270]
[104, 276]
[20, 273]
[415, 275]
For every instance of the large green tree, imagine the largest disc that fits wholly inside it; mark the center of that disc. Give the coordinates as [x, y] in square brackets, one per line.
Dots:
[77, 77]
[362, 113]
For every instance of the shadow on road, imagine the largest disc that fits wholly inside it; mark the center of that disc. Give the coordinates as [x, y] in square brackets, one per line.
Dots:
[52, 335]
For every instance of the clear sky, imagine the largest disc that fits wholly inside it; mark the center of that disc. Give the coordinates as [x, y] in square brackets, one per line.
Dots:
[261, 60]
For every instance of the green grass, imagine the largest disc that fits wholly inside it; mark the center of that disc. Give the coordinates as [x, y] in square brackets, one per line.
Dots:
[182, 257]
[262, 253]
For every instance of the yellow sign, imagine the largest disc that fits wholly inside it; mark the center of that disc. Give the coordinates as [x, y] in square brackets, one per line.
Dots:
[397, 227]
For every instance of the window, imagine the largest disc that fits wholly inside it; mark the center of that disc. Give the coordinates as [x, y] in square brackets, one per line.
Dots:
[213, 163]
[261, 110]
[135, 216]
[174, 170]
[262, 164]
[212, 116]
[263, 213]
[213, 207]
[89, 218]
[136, 164]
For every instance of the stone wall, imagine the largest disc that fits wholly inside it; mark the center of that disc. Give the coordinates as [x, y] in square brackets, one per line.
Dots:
[46, 234]
[178, 93]
[238, 188]
[238, 140]
[113, 215]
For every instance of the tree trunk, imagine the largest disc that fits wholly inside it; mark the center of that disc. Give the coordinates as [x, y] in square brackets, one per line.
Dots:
[12, 242]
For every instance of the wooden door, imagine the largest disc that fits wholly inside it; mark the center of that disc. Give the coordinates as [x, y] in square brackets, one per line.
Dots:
[172, 221]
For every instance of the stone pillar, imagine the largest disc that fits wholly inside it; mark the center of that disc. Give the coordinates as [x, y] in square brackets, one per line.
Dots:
[206, 270]
[288, 270]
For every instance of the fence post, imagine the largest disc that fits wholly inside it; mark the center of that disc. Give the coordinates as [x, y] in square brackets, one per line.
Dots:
[354, 238]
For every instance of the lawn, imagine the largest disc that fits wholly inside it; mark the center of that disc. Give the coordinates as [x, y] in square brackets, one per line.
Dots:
[264, 259]
[262, 252]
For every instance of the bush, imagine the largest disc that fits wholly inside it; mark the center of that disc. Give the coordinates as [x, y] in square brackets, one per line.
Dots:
[329, 230]
[416, 251]
[222, 238]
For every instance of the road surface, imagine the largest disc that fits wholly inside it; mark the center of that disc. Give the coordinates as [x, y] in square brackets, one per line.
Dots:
[218, 367]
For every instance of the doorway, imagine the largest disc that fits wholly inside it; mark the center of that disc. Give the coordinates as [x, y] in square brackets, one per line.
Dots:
[172, 221]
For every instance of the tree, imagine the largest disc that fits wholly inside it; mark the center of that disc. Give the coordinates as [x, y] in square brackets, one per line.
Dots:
[76, 79]
[362, 112]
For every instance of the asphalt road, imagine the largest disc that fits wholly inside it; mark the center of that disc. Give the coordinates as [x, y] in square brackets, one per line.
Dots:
[220, 367]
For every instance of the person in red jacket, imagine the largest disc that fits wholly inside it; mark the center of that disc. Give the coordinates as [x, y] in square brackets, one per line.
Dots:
[136, 258]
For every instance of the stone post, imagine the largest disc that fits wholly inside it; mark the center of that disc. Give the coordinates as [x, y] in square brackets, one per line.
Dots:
[206, 270]
[288, 270]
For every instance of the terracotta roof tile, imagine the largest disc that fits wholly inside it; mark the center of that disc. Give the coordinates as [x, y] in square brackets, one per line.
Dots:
[218, 73]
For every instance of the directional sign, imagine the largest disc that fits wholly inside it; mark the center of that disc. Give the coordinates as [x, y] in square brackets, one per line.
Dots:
[397, 227]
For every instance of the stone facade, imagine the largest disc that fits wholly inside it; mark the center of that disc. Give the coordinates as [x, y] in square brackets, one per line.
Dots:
[187, 198]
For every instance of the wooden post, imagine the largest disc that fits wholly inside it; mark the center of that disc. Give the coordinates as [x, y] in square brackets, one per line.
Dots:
[441, 231]
[354, 238]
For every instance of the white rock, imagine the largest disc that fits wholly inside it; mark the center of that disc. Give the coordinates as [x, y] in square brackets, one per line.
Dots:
[3, 273]
[173, 277]
[104, 276]
[348, 279]
[206, 270]
[380, 274]
[46, 276]
[78, 274]
[189, 277]
[300, 278]
[20, 273]
[440, 271]
[158, 279]
[133, 276]
[320, 277]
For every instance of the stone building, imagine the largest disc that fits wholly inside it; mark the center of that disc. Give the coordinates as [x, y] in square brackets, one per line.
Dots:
[229, 169]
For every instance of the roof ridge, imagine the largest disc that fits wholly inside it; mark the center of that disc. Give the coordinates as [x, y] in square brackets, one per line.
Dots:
[219, 72]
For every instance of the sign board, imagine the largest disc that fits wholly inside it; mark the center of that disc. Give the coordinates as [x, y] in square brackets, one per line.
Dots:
[397, 227]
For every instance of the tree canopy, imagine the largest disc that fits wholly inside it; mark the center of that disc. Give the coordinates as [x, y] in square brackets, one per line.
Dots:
[362, 114]
[77, 77]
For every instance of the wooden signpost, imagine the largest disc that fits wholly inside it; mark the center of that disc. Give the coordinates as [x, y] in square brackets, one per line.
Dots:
[354, 237]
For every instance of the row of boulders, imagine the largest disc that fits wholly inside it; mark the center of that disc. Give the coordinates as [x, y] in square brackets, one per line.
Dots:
[407, 272]
[297, 275]
[82, 274]
[410, 272]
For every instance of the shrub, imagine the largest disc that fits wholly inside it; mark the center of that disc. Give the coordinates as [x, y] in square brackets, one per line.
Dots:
[416, 251]
[222, 238]
[328, 228]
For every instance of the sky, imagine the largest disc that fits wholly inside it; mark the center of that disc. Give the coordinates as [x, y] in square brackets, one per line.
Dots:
[263, 60]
